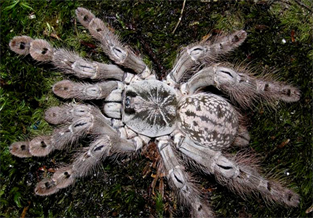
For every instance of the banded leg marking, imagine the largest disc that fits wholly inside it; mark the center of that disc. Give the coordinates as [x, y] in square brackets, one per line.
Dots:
[180, 180]
[239, 173]
[110, 44]
[204, 52]
[242, 87]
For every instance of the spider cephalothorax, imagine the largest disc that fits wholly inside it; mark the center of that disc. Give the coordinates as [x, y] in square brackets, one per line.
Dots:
[150, 108]
[176, 113]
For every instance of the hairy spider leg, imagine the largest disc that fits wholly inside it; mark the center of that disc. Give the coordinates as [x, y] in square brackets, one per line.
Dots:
[181, 181]
[239, 173]
[205, 52]
[240, 86]
[120, 54]
[67, 61]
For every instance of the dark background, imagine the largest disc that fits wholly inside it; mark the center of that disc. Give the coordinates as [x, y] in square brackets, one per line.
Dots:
[279, 41]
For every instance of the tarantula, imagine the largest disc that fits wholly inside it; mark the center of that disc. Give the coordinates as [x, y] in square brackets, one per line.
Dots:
[188, 123]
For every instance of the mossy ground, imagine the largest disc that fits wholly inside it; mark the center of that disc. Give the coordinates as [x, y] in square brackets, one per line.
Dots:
[279, 37]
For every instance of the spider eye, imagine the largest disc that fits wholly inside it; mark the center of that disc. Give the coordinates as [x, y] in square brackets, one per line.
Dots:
[127, 102]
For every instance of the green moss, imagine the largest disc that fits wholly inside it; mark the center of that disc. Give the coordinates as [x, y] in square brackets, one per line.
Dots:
[159, 205]
[279, 36]
[295, 17]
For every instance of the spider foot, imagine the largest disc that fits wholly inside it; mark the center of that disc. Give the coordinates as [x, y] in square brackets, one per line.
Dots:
[62, 178]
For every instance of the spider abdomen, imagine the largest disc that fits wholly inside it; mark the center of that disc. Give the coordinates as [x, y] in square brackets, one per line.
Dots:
[208, 120]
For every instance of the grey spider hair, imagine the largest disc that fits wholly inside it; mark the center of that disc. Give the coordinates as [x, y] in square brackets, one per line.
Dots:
[178, 115]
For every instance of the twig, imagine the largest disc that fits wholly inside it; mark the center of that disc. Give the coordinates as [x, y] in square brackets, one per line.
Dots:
[181, 16]
[303, 5]
[151, 54]
[23, 215]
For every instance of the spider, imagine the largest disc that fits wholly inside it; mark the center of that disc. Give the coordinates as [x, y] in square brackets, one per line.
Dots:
[191, 126]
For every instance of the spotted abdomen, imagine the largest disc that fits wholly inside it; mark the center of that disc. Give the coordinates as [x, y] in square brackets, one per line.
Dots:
[208, 120]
